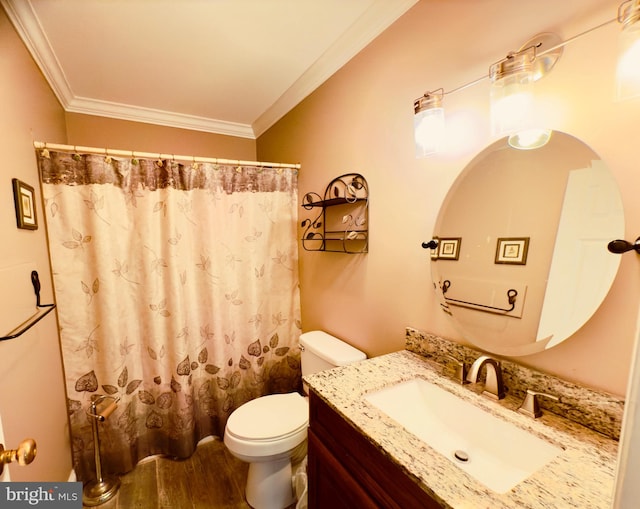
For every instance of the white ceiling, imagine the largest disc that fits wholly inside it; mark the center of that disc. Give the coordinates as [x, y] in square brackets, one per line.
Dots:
[225, 66]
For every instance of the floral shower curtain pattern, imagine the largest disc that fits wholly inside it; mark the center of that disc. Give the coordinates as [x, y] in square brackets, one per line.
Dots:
[177, 292]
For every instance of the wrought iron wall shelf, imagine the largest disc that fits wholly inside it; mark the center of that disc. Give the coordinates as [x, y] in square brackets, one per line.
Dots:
[342, 223]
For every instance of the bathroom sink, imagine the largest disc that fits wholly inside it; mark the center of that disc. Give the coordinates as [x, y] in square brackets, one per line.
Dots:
[494, 452]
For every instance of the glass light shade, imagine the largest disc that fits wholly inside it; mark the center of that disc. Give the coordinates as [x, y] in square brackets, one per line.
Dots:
[628, 69]
[511, 93]
[428, 124]
[512, 103]
[428, 130]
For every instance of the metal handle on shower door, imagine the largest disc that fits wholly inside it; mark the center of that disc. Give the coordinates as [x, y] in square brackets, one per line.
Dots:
[24, 454]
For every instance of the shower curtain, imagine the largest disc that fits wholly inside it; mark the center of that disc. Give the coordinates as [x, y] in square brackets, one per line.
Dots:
[177, 292]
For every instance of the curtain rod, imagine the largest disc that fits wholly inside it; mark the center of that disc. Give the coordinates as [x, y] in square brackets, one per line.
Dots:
[151, 155]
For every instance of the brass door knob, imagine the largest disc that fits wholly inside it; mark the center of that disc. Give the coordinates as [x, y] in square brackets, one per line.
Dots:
[24, 454]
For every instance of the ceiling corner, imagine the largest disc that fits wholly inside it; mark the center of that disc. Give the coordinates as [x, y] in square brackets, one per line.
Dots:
[26, 23]
[367, 27]
[370, 25]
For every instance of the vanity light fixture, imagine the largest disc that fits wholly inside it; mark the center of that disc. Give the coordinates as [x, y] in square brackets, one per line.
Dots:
[428, 123]
[511, 92]
[512, 79]
[628, 69]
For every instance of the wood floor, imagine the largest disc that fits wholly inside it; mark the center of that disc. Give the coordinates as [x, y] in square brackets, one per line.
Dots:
[212, 479]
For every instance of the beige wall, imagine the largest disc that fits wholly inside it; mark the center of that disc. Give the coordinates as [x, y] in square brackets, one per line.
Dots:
[360, 120]
[32, 399]
[93, 131]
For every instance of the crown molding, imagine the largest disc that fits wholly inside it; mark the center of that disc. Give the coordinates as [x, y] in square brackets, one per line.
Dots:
[371, 24]
[26, 23]
[375, 20]
[158, 117]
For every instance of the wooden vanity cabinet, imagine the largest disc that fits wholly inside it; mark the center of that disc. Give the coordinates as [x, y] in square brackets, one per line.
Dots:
[346, 471]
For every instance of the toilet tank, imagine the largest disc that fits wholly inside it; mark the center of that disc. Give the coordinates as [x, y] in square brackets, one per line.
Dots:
[322, 351]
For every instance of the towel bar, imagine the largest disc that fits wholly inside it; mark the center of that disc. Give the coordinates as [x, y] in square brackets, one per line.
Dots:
[43, 310]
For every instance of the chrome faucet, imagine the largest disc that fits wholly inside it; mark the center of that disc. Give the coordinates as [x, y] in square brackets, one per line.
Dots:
[530, 405]
[493, 386]
[461, 369]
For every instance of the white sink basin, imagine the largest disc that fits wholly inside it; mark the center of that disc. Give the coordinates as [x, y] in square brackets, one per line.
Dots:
[493, 451]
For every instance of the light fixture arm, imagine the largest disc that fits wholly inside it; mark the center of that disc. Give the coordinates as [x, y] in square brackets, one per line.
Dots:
[512, 63]
[429, 97]
[629, 14]
[578, 36]
[620, 18]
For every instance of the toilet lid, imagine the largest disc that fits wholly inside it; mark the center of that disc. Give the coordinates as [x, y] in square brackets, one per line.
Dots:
[269, 417]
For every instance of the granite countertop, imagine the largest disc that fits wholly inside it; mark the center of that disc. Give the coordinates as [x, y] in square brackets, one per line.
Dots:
[582, 476]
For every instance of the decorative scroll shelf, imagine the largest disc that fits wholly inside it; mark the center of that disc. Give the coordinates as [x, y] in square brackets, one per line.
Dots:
[341, 224]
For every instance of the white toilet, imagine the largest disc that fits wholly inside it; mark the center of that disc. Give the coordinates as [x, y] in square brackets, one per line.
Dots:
[270, 432]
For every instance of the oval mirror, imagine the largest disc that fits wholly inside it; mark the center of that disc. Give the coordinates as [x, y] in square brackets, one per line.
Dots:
[522, 260]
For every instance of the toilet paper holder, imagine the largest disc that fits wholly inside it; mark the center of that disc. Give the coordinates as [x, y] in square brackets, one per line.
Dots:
[103, 487]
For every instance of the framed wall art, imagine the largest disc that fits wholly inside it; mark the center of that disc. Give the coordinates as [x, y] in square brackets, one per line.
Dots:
[449, 249]
[25, 203]
[512, 250]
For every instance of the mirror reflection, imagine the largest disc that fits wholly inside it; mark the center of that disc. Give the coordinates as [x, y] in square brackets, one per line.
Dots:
[522, 260]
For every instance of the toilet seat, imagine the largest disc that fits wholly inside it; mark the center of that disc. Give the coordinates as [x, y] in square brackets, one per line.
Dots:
[268, 425]
[269, 417]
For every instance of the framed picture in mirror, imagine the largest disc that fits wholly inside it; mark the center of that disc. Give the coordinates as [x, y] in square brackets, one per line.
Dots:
[449, 249]
[512, 250]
